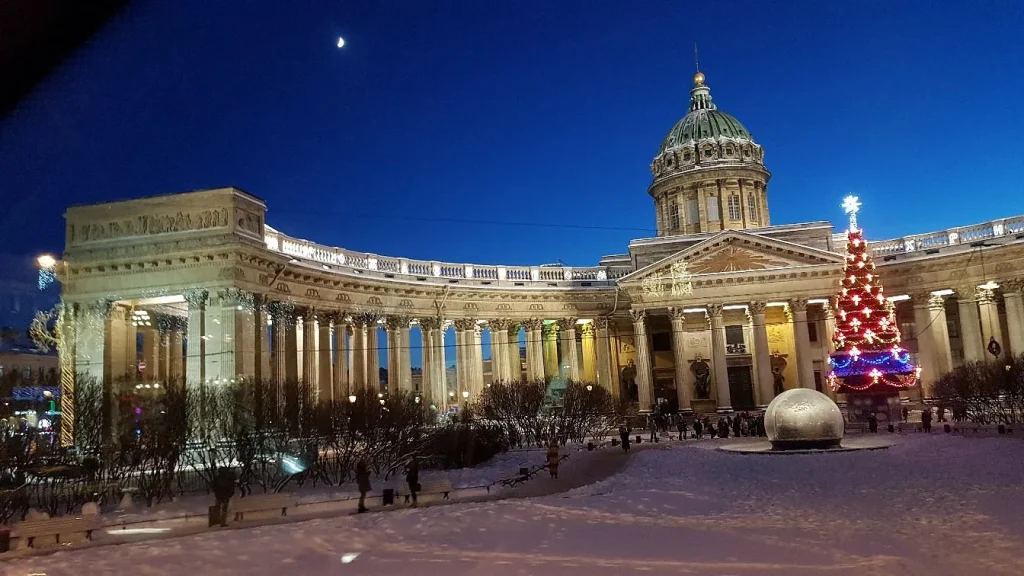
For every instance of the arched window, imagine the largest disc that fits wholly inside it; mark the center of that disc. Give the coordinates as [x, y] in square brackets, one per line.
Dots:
[734, 208]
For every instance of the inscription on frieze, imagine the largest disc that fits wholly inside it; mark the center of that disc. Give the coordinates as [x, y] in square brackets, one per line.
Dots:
[149, 225]
[405, 303]
[374, 301]
[312, 293]
[283, 287]
[342, 298]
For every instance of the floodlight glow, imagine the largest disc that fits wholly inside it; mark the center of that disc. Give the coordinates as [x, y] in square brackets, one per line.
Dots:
[46, 261]
[946, 292]
[341, 44]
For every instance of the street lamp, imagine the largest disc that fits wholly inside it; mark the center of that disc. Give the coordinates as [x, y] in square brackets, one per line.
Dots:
[590, 388]
[465, 394]
[352, 399]
[46, 261]
[47, 270]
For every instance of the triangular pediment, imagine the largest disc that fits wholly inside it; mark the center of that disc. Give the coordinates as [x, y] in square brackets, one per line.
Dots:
[734, 251]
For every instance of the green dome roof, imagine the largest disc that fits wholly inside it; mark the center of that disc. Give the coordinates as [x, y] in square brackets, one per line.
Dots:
[703, 121]
[703, 124]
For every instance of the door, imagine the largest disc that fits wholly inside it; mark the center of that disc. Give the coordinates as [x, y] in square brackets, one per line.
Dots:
[741, 388]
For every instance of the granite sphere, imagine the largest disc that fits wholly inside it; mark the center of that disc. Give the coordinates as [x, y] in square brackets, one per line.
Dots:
[802, 418]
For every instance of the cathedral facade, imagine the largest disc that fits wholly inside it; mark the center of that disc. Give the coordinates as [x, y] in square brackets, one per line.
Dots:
[721, 311]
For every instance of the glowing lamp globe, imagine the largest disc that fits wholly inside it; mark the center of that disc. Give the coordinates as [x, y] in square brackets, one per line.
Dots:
[803, 419]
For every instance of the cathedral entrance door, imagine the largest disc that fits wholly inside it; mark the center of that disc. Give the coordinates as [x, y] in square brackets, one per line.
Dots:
[741, 388]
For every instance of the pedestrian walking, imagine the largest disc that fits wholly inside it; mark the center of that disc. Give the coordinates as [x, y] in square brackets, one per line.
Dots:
[363, 482]
[624, 436]
[698, 429]
[653, 427]
[926, 420]
[553, 459]
[681, 428]
[412, 477]
[223, 490]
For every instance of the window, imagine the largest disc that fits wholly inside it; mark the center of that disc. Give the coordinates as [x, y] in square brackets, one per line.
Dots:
[1, 370]
[734, 207]
[712, 208]
[734, 343]
[817, 381]
[686, 157]
[752, 208]
[28, 373]
[812, 331]
[692, 216]
[673, 215]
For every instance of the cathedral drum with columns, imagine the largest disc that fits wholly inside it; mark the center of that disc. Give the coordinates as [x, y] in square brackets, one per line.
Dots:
[720, 311]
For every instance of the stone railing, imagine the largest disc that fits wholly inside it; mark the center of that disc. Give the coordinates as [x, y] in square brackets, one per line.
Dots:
[952, 238]
[347, 261]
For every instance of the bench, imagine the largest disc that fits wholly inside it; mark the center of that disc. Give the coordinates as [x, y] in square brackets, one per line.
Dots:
[60, 530]
[263, 503]
[442, 487]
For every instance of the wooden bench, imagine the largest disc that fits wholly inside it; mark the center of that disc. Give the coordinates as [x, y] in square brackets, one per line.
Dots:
[55, 530]
[263, 503]
[442, 487]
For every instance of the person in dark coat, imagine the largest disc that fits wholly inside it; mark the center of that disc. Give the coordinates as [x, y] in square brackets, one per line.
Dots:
[737, 426]
[624, 436]
[223, 489]
[363, 481]
[412, 476]
[872, 424]
[681, 428]
[652, 425]
[926, 419]
[698, 429]
[553, 459]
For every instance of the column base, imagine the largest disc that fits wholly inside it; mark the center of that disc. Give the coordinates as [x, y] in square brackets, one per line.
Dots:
[686, 411]
[724, 410]
[761, 407]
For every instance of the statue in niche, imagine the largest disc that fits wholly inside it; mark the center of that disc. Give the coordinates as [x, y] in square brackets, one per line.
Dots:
[701, 378]
[628, 379]
[778, 367]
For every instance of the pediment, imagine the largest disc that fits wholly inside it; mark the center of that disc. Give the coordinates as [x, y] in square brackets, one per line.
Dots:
[736, 252]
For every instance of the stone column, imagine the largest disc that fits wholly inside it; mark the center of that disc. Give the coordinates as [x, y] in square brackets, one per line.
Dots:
[279, 358]
[325, 374]
[534, 349]
[499, 349]
[515, 363]
[151, 347]
[990, 327]
[570, 357]
[464, 357]
[405, 356]
[644, 379]
[720, 368]
[292, 345]
[683, 393]
[427, 327]
[176, 352]
[195, 369]
[478, 362]
[589, 353]
[373, 356]
[802, 336]
[970, 330]
[164, 353]
[236, 342]
[926, 357]
[1012, 290]
[604, 358]
[441, 366]
[550, 353]
[762, 353]
[357, 373]
[260, 355]
[940, 334]
[342, 378]
[394, 337]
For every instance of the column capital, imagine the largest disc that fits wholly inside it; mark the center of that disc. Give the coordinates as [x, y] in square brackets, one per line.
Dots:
[309, 314]
[1012, 286]
[587, 329]
[757, 307]
[334, 317]
[281, 311]
[601, 322]
[465, 323]
[237, 297]
[676, 313]
[921, 298]
[430, 323]
[549, 328]
[364, 319]
[567, 323]
[798, 304]
[534, 324]
[985, 296]
[196, 297]
[396, 322]
[99, 309]
[638, 315]
[513, 329]
[715, 310]
[936, 302]
[500, 324]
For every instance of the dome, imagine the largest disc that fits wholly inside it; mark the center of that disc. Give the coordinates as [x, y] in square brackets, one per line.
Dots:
[702, 125]
[802, 418]
[703, 120]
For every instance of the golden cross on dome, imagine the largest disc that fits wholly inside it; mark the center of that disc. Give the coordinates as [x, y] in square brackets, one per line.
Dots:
[851, 205]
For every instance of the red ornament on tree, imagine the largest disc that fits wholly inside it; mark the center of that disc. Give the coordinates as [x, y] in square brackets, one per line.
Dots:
[867, 340]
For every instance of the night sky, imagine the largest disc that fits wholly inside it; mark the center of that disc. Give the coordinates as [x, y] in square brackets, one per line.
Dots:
[520, 132]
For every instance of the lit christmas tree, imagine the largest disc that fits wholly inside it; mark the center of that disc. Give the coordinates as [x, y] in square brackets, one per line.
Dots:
[867, 338]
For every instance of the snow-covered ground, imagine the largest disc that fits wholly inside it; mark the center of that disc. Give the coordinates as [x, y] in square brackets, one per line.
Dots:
[932, 505]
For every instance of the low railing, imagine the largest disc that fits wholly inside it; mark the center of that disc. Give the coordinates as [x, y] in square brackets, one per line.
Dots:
[422, 270]
[952, 237]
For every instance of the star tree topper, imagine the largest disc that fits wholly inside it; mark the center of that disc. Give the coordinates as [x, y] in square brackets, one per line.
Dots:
[851, 205]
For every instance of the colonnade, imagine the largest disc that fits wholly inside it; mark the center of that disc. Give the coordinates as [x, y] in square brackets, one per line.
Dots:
[713, 318]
